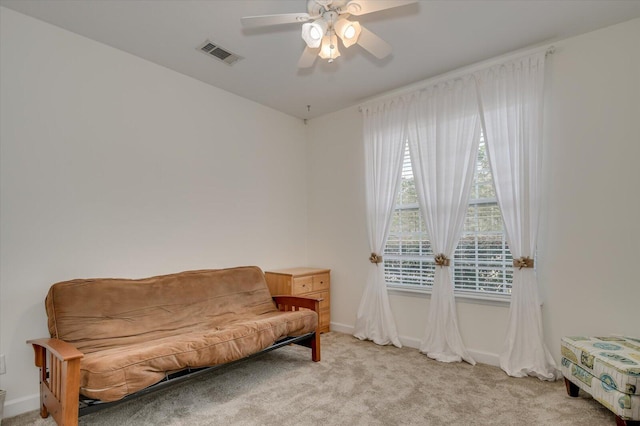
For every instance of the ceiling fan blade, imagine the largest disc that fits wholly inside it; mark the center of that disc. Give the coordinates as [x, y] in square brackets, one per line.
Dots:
[308, 57]
[267, 20]
[361, 7]
[374, 44]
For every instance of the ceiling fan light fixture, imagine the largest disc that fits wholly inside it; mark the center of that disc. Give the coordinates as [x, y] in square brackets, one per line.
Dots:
[348, 31]
[329, 49]
[312, 32]
[329, 23]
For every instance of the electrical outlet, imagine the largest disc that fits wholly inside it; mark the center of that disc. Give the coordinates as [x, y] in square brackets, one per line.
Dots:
[3, 366]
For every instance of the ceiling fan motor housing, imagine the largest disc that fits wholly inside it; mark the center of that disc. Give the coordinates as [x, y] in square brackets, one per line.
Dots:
[317, 8]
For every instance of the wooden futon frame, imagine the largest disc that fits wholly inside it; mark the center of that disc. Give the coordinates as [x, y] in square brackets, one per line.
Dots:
[59, 364]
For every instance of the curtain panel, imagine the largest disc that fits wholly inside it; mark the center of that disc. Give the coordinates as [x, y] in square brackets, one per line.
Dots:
[444, 133]
[384, 139]
[440, 121]
[511, 99]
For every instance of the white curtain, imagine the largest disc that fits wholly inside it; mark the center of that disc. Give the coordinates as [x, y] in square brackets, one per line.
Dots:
[384, 141]
[444, 132]
[511, 98]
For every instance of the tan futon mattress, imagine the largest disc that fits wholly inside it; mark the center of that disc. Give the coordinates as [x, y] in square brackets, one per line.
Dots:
[133, 332]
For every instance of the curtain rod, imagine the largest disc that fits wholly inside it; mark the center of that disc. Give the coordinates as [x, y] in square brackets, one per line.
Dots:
[548, 50]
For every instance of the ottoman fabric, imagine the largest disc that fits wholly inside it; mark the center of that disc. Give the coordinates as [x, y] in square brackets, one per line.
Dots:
[608, 368]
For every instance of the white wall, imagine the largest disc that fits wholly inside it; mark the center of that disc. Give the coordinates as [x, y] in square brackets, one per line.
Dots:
[590, 232]
[590, 237]
[114, 166]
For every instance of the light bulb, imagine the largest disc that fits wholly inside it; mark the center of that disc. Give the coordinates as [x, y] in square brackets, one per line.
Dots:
[315, 33]
[349, 32]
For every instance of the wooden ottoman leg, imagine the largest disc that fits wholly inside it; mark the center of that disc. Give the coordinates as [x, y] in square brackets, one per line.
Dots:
[572, 389]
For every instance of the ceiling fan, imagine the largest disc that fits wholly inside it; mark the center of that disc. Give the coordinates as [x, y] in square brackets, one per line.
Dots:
[326, 21]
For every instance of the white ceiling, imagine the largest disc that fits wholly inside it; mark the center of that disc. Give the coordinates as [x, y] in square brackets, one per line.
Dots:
[428, 38]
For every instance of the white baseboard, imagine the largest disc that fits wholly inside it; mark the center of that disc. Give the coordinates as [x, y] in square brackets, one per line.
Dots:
[341, 328]
[412, 342]
[14, 407]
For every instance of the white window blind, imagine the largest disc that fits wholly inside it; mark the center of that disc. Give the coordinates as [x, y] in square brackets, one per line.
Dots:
[482, 262]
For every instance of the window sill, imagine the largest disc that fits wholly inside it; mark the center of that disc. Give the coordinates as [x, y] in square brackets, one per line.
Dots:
[494, 300]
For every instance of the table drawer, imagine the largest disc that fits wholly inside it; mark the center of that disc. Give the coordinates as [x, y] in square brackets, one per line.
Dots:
[320, 282]
[302, 285]
[324, 295]
[324, 321]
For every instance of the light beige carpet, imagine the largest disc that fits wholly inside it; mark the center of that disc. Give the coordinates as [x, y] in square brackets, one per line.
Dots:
[356, 383]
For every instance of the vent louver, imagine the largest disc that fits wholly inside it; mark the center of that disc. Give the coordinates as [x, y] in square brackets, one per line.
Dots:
[219, 53]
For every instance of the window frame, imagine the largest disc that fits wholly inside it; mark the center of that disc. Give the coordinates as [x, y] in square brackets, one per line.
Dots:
[493, 298]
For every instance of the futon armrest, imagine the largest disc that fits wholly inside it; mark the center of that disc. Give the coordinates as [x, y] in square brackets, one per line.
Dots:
[59, 364]
[295, 303]
[288, 303]
[59, 348]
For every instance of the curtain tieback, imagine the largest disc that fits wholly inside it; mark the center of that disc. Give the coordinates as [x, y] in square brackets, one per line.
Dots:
[375, 258]
[442, 260]
[523, 262]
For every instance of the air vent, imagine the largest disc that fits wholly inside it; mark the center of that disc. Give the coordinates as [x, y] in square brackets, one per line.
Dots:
[217, 52]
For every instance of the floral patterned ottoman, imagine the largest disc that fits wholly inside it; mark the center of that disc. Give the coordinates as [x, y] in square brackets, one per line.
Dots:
[608, 368]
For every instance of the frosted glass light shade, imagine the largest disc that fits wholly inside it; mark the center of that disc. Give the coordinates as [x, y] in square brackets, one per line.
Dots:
[312, 32]
[348, 31]
[329, 49]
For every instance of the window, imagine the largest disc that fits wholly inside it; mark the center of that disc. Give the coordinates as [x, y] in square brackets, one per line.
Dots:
[482, 262]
